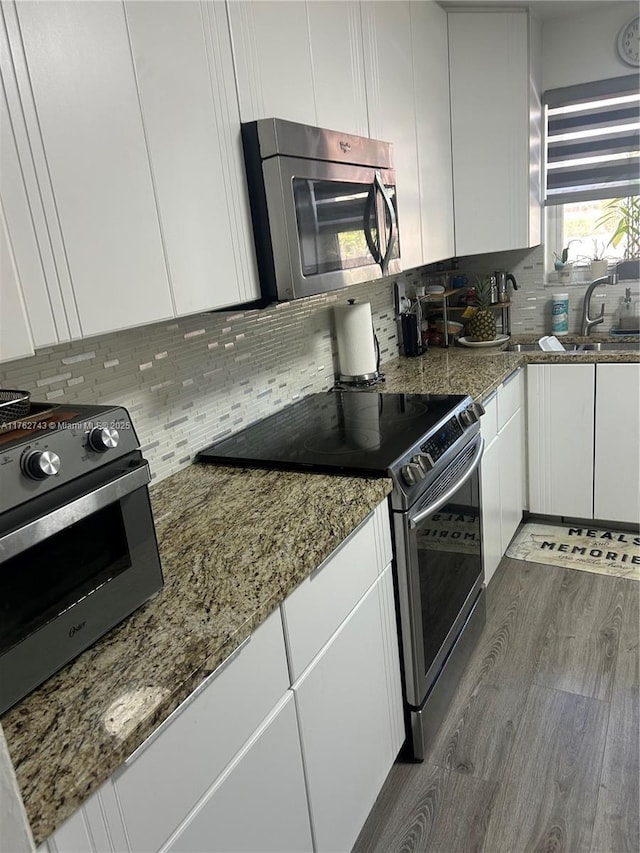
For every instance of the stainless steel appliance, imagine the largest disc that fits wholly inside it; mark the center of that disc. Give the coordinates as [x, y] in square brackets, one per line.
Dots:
[78, 550]
[323, 205]
[430, 446]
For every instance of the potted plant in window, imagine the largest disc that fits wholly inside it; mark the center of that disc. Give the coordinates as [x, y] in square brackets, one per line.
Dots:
[623, 214]
[598, 263]
[562, 264]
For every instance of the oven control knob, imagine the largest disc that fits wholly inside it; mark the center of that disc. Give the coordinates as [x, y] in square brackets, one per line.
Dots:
[102, 439]
[424, 461]
[412, 473]
[468, 417]
[40, 464]
[472, 414]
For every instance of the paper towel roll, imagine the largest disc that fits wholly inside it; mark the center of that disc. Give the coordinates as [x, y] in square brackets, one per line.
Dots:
[356, 344]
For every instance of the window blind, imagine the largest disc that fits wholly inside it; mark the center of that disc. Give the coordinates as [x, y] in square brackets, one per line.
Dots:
[593, 140]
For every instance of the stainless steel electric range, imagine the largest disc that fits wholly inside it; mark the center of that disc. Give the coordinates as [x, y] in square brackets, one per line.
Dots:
[430, 446]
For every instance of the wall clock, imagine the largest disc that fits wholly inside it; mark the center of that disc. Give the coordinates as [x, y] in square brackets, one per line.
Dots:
[629, 43]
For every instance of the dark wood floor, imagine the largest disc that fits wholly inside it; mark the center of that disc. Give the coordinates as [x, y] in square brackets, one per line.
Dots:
[540, 749]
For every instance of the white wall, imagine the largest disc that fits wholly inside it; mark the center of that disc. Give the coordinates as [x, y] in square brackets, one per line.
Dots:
[582, 47]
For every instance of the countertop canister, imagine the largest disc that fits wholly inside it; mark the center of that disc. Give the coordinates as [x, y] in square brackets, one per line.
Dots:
[560, 314]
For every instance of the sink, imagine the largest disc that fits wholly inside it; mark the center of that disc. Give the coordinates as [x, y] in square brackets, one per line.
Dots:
[610, 346]
[536, 348]
[596, 346]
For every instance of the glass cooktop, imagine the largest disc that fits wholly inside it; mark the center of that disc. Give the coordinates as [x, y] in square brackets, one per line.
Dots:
[355, 432]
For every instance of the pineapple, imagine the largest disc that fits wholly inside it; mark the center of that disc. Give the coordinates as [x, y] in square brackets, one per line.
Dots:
[482, 326]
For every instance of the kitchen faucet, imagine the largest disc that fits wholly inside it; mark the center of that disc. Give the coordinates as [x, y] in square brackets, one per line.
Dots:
[588, 322]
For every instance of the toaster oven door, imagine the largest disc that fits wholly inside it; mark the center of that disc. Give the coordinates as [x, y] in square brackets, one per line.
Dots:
[73, 564]
[332, 224]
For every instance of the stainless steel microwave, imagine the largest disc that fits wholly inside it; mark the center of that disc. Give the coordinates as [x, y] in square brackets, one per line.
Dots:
[324, 208]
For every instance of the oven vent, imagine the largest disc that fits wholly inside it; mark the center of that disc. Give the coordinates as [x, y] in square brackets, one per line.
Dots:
[451, 474]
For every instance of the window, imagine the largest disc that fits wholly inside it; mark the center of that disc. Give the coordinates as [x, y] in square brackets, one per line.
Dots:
[593, 170]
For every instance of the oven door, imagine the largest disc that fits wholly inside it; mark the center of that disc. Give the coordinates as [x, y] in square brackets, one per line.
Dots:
[73, 563]
[439, 553]
[332, 224]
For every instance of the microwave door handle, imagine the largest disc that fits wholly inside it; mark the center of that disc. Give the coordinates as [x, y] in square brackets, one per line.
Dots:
[393, 225]
[42, 528]
[375, 250]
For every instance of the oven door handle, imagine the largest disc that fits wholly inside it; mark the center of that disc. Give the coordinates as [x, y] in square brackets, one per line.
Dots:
[47, 525]
[415, 520]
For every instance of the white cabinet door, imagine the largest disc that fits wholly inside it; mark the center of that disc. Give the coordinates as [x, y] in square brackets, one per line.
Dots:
[345, 713]
[433, 127]
[29, 284]
[511, 475]
[260, 803]
[205, 734]
[337, 59]
[494, 112]
[502, 470]
[15, 334]
[617, 445]
[491, 509]
[560, 400]
[320, 604]
[80, 76]
[184, 69]
[272, 56]
[392, 112]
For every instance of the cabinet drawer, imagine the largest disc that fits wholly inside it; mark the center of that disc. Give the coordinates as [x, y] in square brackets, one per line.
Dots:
[489, 421]
[509, 397]
[260, 802]
[317, 608]
[192, 751]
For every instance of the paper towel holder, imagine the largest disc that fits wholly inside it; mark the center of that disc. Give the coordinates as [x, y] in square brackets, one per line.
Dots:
[363, 380]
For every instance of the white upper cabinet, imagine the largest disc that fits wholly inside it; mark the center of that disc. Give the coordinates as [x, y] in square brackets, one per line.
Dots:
[15, 334]
[496, 126]
[184, 70]
[433, 129]
[91, 157]
[300, 61]
[272, 55]
[391, 106]
[32, 310]
[335, 31]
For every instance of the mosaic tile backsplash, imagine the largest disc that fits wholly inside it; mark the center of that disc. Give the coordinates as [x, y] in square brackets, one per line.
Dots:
[192, 381]
[531, 303]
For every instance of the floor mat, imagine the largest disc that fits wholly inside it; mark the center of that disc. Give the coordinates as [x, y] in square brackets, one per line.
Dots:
[591, 549]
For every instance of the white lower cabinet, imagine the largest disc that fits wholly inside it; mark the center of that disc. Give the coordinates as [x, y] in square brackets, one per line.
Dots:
[584, 457]
[560, 421]
[490, 502]
[616, 488]
[347, 716]
[503, 470]
[260, 803]
[257, 759]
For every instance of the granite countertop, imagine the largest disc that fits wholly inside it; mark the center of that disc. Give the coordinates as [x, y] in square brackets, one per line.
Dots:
[234, 542]
[462, 370]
